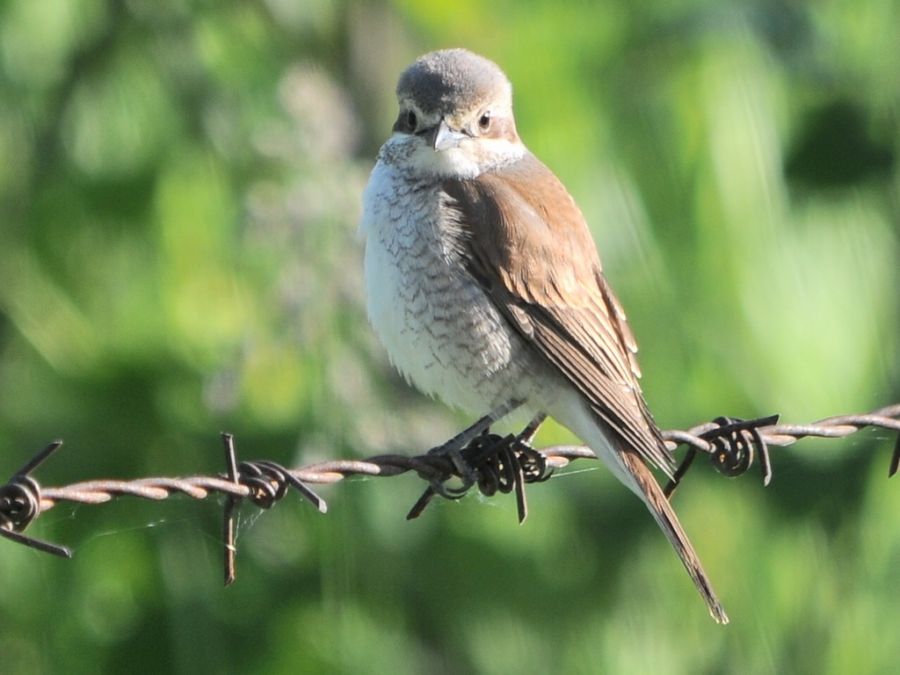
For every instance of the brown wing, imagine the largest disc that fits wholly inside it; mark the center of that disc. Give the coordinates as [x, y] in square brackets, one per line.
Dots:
[528, 245]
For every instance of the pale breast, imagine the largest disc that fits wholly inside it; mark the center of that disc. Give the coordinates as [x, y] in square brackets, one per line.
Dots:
[439, 328]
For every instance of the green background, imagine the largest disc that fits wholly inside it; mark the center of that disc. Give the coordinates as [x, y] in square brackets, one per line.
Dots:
[179, 194]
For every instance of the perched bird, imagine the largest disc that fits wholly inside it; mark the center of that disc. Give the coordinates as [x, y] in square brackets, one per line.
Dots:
[486, 288]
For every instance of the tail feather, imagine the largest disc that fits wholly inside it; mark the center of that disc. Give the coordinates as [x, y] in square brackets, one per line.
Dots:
[628, 466]
[665, 517]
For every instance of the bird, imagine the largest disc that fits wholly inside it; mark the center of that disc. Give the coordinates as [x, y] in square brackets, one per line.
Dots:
[485, 286]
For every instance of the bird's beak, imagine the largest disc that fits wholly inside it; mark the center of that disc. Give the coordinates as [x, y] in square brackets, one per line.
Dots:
[442, 137]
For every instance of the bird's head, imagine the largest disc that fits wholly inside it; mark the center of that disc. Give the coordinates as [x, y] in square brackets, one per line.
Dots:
[455, 117]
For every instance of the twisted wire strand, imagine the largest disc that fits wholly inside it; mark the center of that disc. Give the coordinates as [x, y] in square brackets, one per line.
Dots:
[434, 467]
[489, 462]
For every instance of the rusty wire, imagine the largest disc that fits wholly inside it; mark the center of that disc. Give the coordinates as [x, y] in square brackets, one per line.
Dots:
[490, 462]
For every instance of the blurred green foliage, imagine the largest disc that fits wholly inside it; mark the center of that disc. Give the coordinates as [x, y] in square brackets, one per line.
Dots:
[179, 191]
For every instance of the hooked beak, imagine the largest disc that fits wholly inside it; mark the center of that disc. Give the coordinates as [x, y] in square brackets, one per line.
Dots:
[442, 137]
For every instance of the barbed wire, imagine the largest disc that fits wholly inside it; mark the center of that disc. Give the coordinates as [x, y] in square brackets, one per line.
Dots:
[490, 462]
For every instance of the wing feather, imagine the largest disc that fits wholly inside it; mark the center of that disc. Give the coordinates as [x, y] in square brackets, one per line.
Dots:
[530, 249]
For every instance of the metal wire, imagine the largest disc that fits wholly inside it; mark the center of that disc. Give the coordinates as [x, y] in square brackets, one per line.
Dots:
[493, 463]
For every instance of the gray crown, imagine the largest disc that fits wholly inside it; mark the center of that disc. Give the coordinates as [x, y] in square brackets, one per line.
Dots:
[451, 79]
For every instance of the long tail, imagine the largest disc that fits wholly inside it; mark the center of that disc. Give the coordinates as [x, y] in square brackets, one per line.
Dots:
[627, 465]
[665, 516]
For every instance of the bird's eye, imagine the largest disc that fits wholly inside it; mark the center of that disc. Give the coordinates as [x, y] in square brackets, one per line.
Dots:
[411, 120]
[484, 122]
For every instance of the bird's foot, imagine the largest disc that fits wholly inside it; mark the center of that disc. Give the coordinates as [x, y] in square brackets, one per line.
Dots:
[453, 450]
[495, 463]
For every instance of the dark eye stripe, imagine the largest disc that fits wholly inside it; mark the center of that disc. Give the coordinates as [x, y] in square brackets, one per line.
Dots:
[407, 122]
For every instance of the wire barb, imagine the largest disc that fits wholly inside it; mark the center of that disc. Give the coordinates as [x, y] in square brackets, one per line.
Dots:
[229, 547]
[20, 504]
[266, 482]
[733, 445]
[895, 458]
[495, 464]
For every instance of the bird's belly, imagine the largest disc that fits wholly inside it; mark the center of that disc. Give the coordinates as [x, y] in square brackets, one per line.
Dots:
[438, 327]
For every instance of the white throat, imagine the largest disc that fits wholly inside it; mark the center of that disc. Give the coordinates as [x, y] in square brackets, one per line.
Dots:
[471, 158]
